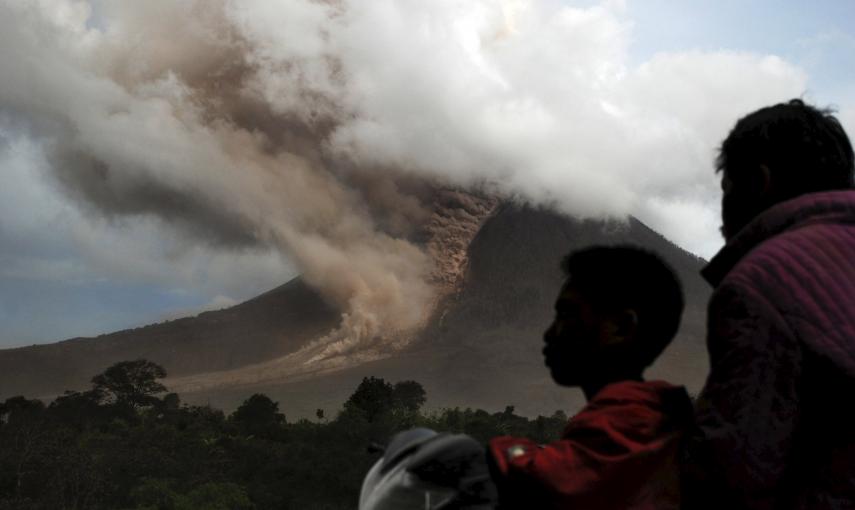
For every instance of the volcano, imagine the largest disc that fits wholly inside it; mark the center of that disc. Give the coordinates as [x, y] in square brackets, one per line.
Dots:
[498, 275]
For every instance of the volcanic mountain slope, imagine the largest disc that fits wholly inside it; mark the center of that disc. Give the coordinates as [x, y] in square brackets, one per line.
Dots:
[479, 348]
[269, 327]
[482, 346]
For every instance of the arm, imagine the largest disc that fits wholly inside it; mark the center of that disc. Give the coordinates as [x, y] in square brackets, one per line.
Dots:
[748, 410]
[531, 476]
[602, 460]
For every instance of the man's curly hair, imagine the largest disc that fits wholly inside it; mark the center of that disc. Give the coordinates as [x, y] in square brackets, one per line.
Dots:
[804, 147]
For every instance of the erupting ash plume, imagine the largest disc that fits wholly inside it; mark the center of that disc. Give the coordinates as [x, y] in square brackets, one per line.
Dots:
[171, 111]
[324, 128]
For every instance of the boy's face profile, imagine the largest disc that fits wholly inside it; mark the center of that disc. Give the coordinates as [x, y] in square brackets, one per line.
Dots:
[581, 339]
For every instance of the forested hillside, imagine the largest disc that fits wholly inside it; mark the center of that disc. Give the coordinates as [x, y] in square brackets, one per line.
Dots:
[127, 443]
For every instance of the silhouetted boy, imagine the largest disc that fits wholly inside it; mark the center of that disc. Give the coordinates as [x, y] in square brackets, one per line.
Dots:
[617, 311]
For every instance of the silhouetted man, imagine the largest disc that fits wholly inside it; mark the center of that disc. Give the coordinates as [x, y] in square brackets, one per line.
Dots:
[776, 427]
[618, 309]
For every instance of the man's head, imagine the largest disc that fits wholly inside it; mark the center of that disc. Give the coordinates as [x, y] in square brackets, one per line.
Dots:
[618, 309]
[778, 153]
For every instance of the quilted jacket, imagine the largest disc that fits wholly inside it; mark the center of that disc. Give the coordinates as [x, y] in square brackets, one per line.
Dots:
[776, 418]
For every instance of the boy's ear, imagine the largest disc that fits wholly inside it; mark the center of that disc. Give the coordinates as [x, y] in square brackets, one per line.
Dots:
[628, 324]
[622, 326]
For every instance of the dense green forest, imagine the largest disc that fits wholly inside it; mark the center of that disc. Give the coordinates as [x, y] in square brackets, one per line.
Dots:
[129, 444]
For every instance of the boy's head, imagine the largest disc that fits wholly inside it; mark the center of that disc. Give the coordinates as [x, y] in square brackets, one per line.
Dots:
[618, 309]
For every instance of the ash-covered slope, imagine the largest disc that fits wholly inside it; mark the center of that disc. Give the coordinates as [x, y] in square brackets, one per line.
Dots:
[242, 343]
[482, 346]
[265, 327]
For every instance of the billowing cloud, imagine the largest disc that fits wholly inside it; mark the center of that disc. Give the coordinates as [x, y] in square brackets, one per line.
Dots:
[536, 98]
[311, 127]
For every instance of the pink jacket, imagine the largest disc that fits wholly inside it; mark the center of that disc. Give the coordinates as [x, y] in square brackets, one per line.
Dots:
[776, 419]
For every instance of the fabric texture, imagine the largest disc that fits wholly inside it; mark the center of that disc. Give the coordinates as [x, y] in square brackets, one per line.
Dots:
[620, 452]
[775, 422]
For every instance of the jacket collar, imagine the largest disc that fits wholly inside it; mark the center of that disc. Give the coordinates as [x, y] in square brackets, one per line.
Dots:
[823, 207]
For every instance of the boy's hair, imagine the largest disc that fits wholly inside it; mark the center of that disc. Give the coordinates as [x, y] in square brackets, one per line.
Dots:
[804, 147]
[615, 278]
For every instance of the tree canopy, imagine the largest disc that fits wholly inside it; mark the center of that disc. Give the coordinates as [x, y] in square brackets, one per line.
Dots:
[375, 397]
[258, 414]
[132, 383]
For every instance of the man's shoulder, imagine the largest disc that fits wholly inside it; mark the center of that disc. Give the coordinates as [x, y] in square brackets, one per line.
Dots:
[786, 236]
[810, 250]
[802, 280]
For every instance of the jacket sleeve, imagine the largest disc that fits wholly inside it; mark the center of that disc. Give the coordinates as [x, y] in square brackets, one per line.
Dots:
[531, 476]
[747, 412]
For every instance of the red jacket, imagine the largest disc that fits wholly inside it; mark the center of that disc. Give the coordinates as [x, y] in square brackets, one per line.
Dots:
[619, 452]
[776, 418]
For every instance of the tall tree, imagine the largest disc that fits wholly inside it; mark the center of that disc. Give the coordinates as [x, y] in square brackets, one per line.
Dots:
[373, 397]
[258, 414]
[409, 395]
[131, 383]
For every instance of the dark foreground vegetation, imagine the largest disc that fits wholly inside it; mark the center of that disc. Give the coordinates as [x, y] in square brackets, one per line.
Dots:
[128, 444]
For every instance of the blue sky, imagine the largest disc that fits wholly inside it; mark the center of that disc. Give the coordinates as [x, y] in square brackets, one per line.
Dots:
[817, 36]
[55, 285]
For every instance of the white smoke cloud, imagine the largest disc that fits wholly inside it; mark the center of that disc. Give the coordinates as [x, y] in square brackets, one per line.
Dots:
[301, 126]
[536, 97]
